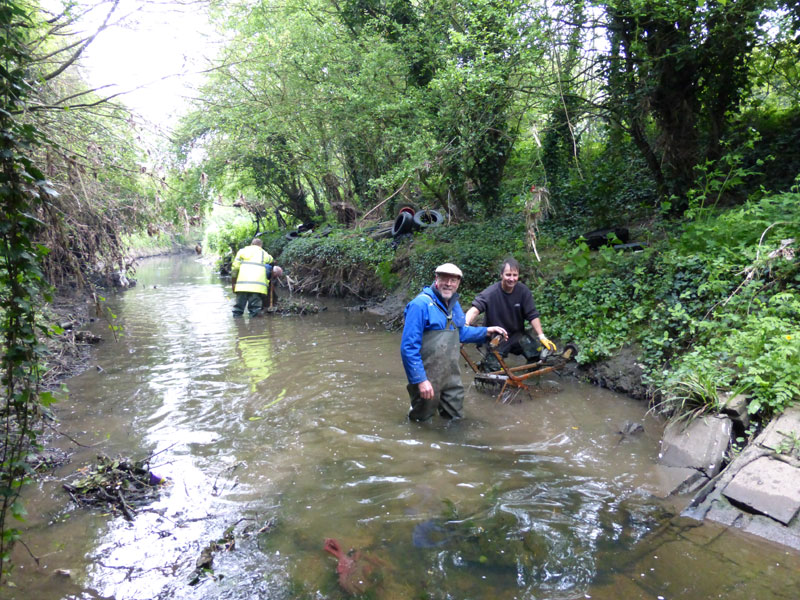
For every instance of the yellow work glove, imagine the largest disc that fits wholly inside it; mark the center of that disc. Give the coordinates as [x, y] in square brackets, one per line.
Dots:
[547, 343]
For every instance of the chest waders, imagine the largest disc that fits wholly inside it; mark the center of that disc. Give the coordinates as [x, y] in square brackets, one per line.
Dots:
[440, 352]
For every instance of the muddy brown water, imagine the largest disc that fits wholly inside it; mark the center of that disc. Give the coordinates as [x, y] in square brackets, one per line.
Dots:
[295, 427]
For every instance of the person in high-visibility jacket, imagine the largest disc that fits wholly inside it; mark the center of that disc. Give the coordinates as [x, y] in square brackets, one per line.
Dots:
[251, 271]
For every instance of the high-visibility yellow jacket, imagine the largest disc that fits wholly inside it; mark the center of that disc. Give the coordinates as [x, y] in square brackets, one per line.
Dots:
[251, 267]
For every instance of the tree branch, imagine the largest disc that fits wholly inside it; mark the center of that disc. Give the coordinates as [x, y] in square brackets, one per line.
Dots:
[83, 47]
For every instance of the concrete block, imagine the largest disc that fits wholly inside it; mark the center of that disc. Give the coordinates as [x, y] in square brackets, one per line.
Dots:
[767, 486]
[768, 529]
[736, 408]
[675, 480]
[779, 432]
[700, 444]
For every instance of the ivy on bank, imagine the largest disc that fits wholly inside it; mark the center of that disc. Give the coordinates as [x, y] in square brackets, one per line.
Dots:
[341, 263]
[716, 308]
[23, 190]
[478, 248]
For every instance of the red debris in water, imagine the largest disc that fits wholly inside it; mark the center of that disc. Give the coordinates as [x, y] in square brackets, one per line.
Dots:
[354, 568]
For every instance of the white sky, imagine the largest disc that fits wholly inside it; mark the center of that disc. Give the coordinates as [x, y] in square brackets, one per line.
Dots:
[162, 47]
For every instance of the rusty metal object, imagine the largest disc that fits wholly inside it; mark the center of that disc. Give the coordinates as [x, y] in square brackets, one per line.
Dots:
[472, 365]
[514, 379]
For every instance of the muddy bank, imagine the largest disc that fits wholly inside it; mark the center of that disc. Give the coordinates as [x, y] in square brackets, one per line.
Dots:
[69, 352]
[622, 373]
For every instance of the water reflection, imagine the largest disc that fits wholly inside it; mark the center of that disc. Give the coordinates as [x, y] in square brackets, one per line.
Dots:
[290, 430]
[255, 352]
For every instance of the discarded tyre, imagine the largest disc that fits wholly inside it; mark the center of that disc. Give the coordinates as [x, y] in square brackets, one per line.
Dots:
[600, 237]
[428, 218]
[407, 209]
[404, 223]
[292, 235]
[632, 247]
[305, 227]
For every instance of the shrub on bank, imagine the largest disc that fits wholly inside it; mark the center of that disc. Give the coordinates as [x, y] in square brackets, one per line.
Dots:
[477, 249]
[716, 309]
[226, 232]
[341, 263]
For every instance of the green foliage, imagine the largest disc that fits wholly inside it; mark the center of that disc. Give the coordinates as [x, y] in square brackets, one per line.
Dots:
[274, 243]
[692, 396]
[23, 192]
[715, 309]
[389, 279]
[775, 150]
[790, 444]
[675, 74]
[604, 198]
[718, 178]
[477, 248]
[600, 311]
[343, 249]
[227, 230]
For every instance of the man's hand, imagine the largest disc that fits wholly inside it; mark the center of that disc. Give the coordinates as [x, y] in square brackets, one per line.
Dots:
[426, 390]
[546, 343]
[233, 284]
[495, 330]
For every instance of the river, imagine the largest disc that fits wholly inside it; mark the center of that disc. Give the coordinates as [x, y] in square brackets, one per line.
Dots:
[287, 430]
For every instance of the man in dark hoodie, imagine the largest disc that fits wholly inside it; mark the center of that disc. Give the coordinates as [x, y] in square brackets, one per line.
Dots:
[509, 304]
[434, 329]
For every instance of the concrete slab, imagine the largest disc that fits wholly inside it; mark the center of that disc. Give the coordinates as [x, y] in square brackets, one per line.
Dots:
[767, 486]
[766, 528]
[782, 431]
[723, 513]
[758, 525]
[700, 445]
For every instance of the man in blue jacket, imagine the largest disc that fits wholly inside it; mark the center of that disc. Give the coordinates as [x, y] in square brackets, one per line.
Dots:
[434, 330]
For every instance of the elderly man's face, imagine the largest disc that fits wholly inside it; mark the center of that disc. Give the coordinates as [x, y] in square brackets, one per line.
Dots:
[447, 284]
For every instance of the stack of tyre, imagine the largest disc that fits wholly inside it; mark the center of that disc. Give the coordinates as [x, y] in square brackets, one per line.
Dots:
[409, 220]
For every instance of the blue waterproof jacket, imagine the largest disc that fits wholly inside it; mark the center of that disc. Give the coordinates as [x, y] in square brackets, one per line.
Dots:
[427, 312]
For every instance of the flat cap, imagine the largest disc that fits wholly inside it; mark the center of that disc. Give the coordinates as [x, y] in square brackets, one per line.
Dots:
[449, 269]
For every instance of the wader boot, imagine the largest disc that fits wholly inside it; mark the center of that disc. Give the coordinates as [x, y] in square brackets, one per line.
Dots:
[529, 348]
[440, 352]
[249, 300]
